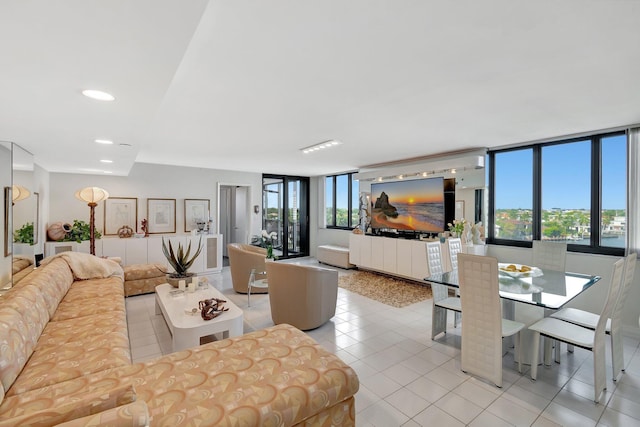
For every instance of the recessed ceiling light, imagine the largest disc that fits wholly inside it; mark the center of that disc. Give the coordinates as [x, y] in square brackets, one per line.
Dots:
[106, 161]
[320, 146]
[98, 95]
[104, 141]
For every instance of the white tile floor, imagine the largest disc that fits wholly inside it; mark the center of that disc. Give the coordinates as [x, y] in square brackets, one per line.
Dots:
[406, 379]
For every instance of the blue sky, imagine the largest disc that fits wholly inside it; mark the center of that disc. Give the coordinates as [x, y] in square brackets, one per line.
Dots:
[565, 176]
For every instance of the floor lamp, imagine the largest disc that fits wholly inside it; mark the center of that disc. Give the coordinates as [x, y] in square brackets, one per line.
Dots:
[92, 195]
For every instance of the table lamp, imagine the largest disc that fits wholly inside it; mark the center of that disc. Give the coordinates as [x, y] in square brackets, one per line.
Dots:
[92, 195]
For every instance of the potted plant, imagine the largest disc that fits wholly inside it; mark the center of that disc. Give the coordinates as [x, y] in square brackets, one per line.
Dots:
[180, 261]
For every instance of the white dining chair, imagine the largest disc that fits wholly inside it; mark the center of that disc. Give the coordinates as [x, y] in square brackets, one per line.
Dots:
[549, 255]
[455, 247]
[613, 326]
[483, 327]
[441, 301]
[589, 339]
[552, 256]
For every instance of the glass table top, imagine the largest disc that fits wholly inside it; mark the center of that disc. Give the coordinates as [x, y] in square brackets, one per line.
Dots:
[552, 289]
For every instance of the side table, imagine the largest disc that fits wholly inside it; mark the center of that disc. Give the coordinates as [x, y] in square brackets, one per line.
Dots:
[253, 283]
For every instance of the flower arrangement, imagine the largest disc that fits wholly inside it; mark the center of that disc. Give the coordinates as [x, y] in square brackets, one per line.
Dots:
[457, 227]
[267, 242]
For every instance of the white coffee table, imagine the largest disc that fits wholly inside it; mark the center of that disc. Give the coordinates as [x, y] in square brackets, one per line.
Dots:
[186, 329]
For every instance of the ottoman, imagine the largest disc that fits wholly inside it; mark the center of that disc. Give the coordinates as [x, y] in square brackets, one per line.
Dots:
[143, 278]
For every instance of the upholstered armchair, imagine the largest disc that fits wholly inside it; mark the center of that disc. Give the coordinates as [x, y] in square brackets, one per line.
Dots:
[301, 295]
[242, 259]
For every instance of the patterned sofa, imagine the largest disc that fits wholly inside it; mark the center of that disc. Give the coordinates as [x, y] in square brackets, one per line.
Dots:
[66, 361]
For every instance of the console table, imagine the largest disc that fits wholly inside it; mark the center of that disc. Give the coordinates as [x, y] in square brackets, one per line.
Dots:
[398, 257]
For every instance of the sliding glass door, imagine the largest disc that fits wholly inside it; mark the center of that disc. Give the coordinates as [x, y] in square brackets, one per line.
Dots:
[285, 210]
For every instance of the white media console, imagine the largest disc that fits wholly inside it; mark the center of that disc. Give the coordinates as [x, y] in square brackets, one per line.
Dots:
[398, 257]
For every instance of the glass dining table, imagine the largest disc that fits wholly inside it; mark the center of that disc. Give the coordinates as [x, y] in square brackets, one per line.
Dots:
[545, 289]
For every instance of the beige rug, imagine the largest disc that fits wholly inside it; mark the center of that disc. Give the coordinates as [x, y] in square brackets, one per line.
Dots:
[391, 291]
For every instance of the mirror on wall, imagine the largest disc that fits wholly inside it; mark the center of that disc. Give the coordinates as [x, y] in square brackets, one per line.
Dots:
[6, 207]
[25, 203]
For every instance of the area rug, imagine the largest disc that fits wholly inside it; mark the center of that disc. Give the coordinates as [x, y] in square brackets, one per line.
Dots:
[387, 290]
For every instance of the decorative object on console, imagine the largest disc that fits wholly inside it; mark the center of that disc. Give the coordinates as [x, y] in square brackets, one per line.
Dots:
[125, 232]
[58, 230]
[457, 227]
[477, 233]
[144, 226]
[80, 231]
[92, 195]
[180, 261]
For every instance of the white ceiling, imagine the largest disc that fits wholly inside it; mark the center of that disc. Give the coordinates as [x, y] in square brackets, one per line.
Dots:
[244, 85]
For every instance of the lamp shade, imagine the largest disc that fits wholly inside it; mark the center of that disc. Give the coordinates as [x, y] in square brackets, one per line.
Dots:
[92, 194]
[18, 192]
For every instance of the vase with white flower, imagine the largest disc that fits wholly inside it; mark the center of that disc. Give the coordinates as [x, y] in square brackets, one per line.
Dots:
[267, 243]
[457, 227]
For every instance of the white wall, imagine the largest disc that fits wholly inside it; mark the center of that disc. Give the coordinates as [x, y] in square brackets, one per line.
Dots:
[150, 181]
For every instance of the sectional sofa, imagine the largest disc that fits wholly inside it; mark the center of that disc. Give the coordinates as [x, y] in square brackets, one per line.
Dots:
[65, 360]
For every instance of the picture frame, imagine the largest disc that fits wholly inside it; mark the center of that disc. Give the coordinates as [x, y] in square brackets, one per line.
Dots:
[161, 215]
[194, 210]
[8, 223]
[118, 212]
[459, 213]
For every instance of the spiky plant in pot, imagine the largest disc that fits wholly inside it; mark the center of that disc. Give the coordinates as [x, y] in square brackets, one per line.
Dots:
[180, 260]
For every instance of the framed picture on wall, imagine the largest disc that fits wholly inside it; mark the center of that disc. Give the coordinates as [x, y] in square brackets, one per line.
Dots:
[195, 210]
[118, 212]
[162, 215]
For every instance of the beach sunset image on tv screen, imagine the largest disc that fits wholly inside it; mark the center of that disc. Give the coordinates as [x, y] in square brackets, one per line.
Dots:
[416, 205]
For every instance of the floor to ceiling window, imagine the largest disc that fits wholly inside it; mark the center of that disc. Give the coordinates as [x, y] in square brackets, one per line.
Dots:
[285, 207]
[571, 190]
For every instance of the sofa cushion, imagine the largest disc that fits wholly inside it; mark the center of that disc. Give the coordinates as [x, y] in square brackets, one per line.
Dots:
[55, 410]
[16, 345]
[95, 289]
[93, 297]
[67, 362]
[86, 329]
[53, 282]
[135, 414]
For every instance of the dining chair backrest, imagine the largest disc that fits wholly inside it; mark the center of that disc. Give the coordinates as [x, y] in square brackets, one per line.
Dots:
[482, 325]
[434, 258]
[612, 296]
[549, 255]
[455, 247]
[616, 313]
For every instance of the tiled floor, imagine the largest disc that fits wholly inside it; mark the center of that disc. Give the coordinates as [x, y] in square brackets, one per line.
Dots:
[406, 379]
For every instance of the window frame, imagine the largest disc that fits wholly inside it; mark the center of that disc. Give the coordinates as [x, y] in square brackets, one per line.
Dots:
[334, 207]
[594, 246]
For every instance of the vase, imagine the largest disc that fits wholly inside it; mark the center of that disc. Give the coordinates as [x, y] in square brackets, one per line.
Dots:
[270, 252]
[175, 280]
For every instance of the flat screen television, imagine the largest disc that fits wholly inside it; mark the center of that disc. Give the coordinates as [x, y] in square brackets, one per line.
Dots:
[409, 206]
